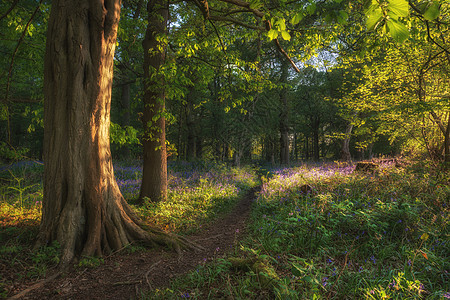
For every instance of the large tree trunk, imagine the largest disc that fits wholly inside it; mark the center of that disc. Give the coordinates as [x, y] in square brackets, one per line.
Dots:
[83, 208]
[154, 177]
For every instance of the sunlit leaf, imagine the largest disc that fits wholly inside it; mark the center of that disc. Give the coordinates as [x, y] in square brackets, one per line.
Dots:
[255, 5]
[286, 36]
[399, 7]
[432, 12]
[281, 24]
[392, 16]
[272, 34]
[374, 18]
[424, 236]
[398, 31]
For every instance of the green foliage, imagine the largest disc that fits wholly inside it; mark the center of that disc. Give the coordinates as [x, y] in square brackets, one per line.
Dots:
[90, 262]
[44, 258]
[432, 11]
[388, 14]
[126, 135]
[6, 152]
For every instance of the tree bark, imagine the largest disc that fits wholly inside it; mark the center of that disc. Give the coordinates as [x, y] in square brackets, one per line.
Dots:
[126, 114]
[83, 208]
[345, 152]
[190, 126]
[154, 177]
[315, 123]
[447, 141]
[284, 123]
[445, 129]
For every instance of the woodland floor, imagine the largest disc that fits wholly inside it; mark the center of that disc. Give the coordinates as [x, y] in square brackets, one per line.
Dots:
[128, 276]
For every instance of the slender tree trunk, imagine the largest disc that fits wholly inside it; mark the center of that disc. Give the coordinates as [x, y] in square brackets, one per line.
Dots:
[345, 153]
[83, 208]
[154, 177]
[190, 126]
[199, 147]
[180, 146]
[284, 123]
[445, 129]
[126, 113]
[315, 126]
[447, 141]
[294, 147]
[237, 157]
[307, 148]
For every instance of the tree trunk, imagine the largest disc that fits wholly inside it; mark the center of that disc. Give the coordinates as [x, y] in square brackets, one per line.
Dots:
[126, 114]
[295, 147]
[445, 129]
[83, 208]
[345, 152]
[180, 147]
[447, 141]
[315, 122]
[154, 176]
[284, 125]
[190, 126]
[198, 147]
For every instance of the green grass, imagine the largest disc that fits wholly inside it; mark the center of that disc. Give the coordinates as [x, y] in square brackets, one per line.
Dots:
[372, 236]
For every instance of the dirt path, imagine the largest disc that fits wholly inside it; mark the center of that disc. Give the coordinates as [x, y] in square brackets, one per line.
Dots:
[127, 276]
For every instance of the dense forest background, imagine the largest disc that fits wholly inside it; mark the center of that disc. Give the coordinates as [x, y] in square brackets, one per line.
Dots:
[231, 93]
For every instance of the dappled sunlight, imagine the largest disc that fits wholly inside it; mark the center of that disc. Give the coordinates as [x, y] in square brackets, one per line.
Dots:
[14, 216]
[195, 196]
[369, 230]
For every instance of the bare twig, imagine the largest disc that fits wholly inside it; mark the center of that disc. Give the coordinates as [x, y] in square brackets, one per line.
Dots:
[126, 282]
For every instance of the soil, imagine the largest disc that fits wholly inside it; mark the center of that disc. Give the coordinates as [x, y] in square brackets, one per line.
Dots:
[127, 276]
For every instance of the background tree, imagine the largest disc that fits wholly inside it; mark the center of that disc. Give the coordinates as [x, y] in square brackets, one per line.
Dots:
[154, 177]
[22, 40]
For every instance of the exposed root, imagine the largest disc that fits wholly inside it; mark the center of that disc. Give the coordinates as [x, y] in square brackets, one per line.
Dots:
[148, 272]
[176, 242]
[35, 286]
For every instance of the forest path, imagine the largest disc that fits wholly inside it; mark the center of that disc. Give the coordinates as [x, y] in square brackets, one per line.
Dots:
[127, 276]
